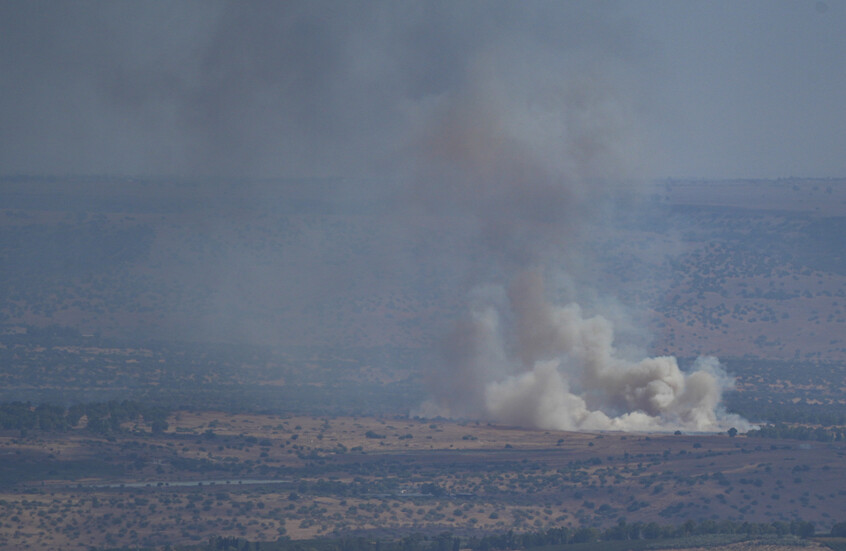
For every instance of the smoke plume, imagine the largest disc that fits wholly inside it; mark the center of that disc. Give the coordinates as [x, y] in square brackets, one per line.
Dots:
[521, 360]
[532, 154]
[511, 125]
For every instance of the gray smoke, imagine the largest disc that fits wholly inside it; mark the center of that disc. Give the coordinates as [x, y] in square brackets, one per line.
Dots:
[514, 124]
[255, 88]
[533, 150]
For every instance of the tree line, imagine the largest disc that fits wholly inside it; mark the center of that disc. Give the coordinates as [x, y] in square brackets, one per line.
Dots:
[622, 531]
[786, 412]
[102, 417]
[798, 432]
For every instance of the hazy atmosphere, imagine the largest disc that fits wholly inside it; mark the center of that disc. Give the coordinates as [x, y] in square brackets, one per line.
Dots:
[523, 123]
[704, 89]
[421, 276]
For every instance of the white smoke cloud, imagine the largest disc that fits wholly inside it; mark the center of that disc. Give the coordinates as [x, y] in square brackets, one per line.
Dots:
[563, 372]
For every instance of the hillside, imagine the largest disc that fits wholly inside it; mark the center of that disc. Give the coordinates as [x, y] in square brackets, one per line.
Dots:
[112, 287]
[728, 268]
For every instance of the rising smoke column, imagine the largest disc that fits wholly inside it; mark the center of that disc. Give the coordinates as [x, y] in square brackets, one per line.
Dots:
[515, 118]
[530, 154]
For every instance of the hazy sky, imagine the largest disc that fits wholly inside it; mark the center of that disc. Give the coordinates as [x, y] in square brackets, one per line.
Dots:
[713, 89]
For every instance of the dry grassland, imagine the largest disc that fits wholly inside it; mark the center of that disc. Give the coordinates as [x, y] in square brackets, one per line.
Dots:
[264, 476]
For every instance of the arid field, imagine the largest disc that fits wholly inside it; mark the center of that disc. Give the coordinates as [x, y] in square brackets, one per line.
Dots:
[265, 476]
